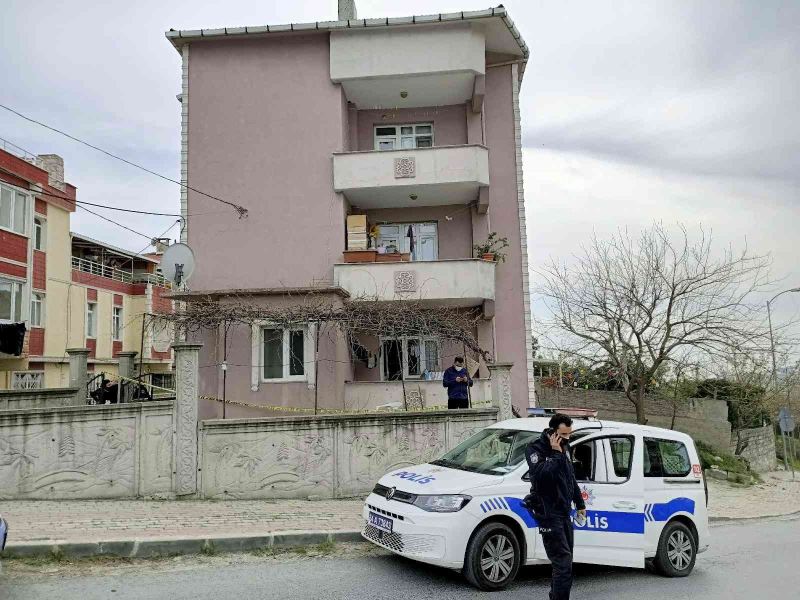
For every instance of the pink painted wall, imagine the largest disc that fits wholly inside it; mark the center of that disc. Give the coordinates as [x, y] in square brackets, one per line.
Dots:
[455, 237]
[503, 217]
[264, 118]
[449, 123]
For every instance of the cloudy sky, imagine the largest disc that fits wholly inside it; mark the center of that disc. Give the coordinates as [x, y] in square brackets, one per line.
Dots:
[632, 111]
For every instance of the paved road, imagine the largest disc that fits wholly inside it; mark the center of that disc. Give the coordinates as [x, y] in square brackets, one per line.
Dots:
[752, 560]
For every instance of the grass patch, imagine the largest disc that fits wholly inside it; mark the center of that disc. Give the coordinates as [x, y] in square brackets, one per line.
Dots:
[737, 468]
[779, 452]
[326, 547]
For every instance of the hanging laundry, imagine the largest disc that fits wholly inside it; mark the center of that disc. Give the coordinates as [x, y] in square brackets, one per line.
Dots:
[410, 236]
[12, 338]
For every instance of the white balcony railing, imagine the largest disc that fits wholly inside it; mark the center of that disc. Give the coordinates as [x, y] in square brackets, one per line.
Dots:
[94, 268]
[441, 175]
[460, 283]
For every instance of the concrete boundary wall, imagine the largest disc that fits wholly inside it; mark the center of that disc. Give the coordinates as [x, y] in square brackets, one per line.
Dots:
[324, 456]
[79, 452]
[760, 448]
[41, 398]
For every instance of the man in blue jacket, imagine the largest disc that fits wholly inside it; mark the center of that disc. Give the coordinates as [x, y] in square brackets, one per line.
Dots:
[457, 381]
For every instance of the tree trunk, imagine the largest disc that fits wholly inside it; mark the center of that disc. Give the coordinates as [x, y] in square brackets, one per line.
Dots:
[641, 418]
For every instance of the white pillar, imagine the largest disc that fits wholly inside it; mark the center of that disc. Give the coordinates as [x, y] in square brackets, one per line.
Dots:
[187, 362]
[500, 374]
[78, 361]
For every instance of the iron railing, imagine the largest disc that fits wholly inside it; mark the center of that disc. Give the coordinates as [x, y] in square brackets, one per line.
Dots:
[95, 268]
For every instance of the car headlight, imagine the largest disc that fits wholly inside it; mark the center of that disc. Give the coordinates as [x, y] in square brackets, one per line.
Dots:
[445, 503]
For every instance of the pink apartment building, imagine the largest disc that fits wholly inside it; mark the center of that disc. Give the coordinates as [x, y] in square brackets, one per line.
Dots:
[324, 130]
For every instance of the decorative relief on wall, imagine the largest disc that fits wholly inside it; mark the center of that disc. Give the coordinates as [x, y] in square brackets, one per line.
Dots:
[73, 460]
[415, 400]
[405, 167]
[186, 407]
[405, 281]
[279, 464]
[372, 452]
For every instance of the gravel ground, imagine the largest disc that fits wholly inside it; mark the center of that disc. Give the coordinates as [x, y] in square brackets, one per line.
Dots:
[778, 495]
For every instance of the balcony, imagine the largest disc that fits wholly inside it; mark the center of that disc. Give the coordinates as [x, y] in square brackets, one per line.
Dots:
[458, 283]
[436, 176]
[408, 67]
[101, 270]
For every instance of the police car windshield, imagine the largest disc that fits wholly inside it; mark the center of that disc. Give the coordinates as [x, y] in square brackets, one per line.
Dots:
[490, 451]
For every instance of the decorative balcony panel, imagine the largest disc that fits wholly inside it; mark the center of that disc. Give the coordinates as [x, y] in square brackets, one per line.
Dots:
[459, 283]
[435, 176]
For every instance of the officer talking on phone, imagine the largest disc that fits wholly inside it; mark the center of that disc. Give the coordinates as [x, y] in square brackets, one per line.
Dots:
[553, 491]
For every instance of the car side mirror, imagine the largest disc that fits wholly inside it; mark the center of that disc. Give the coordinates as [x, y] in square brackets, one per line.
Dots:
[526, 476]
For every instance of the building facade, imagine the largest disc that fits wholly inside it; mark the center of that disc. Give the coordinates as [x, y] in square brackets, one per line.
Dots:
[68, 290]
[371, 155]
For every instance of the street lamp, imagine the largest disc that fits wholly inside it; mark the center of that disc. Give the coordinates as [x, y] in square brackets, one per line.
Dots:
[771, 339]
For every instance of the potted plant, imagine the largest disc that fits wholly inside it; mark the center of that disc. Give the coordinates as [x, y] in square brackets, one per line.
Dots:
[492, 248]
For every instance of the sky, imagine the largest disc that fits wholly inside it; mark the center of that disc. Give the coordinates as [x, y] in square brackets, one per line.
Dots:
[633, 112]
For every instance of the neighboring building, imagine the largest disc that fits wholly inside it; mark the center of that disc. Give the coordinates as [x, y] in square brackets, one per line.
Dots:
[70, 291]
[323, 130]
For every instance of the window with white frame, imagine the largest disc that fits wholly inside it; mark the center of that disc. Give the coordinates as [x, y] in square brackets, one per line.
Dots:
[422, 244]
[27, 380]
[38, 234]
[396, 137]
[283, 353]
[116, 323]
[37, 309]
[91, 319]
[13, 209]
[10, 300]
[414, 357]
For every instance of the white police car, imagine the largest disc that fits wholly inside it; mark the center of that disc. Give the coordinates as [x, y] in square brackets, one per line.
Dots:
[643, 487]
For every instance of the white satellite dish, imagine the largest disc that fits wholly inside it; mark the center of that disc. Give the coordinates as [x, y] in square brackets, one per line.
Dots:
[177, 263]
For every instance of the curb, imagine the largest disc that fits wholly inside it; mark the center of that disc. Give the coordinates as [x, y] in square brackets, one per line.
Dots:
[757, 518]
[158, 547]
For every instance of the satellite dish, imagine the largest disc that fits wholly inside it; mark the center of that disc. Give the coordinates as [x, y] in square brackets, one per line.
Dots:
[177, 263]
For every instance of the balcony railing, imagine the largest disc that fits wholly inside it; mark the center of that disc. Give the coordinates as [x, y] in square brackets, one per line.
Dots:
[95, 268]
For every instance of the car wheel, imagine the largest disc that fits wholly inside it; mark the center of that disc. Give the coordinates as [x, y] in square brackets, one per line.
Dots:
[677, 550]
[493, 557]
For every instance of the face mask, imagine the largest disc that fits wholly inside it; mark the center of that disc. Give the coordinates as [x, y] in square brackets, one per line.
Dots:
[459, 368]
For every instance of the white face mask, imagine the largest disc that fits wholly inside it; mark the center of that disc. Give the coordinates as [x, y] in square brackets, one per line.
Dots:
[458, 368]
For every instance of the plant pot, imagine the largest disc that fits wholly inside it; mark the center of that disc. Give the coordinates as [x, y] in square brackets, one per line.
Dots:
[359, 256]
[389, 257]
[489, 256]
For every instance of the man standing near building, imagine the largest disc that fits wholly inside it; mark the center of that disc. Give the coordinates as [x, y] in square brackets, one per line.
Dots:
[457, 381]
[553, 491]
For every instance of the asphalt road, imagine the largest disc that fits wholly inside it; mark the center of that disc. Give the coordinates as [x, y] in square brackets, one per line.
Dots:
[749, 560]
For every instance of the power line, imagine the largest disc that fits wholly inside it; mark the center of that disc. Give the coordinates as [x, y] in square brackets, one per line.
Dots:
[128, 210]
[239, 209]
[147, 237]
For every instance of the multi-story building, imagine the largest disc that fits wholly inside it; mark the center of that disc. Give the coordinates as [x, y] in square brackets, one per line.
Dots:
[69, 291]
[408, 128]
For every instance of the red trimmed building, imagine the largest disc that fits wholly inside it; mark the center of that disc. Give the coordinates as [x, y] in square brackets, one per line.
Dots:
[68, 289]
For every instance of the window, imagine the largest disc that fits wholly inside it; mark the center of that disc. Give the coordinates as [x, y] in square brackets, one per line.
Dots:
[10, 300]
[163, 380]
[38, 234]
[116, 323]
[665, 458]
[394, 237]
[603, 460]
[37, 310]
[490, 451]
[283, 354]
[27, 380]
[91, 319]
[13, 209]
[396, 137]
[412, 356]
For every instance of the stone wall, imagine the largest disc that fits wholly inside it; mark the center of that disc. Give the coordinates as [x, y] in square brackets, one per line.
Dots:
[42, 398]
[76, 452]
[760, 450]
[703, 418]
[324, 456]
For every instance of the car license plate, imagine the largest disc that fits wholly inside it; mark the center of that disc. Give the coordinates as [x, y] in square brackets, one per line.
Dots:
[380, 522]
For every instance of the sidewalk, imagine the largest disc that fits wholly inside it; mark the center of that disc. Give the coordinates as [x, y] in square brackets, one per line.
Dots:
[147, 528]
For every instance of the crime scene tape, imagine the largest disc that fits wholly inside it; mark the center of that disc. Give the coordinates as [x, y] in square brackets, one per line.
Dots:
[331, 411]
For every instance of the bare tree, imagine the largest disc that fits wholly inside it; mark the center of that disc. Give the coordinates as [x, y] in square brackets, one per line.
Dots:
[637, 304]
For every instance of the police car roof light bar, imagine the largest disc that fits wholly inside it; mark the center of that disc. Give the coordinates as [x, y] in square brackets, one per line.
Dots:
[575, 413]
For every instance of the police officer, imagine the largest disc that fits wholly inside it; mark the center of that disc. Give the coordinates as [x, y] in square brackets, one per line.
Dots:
[553, 491]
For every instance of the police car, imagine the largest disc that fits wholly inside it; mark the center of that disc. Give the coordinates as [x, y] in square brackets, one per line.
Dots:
[643, 486]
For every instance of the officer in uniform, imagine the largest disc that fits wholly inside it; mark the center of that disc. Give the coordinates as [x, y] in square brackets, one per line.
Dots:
[553, 491]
